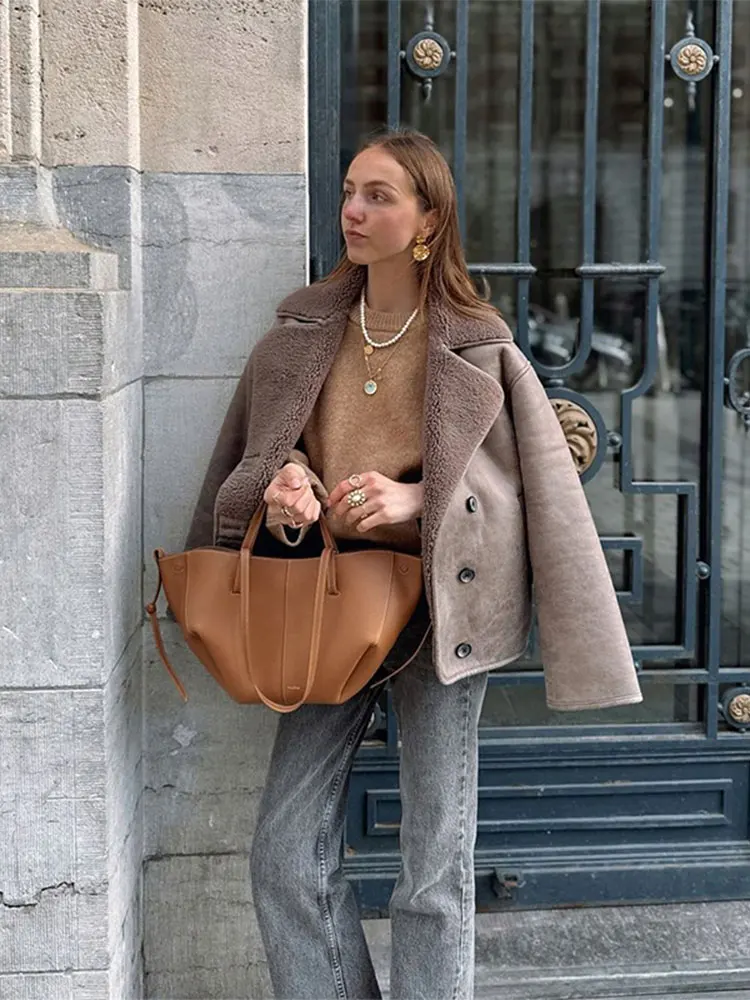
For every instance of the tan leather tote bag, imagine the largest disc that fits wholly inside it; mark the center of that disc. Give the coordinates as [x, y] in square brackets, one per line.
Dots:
[288, 631]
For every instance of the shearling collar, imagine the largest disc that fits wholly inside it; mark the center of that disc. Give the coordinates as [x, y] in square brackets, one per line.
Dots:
[322, 301]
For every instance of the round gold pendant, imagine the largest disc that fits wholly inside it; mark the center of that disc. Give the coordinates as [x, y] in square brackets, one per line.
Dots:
[371, 387]
[369, 349]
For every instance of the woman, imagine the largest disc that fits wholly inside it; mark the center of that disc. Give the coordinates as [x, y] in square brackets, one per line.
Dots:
[390, 395]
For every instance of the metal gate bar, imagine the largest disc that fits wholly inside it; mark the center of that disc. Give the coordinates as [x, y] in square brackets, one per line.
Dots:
[461, 109]
[686, 492]
[713, 409]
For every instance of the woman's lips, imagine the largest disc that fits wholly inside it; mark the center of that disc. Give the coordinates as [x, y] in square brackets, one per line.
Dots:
[355, 236]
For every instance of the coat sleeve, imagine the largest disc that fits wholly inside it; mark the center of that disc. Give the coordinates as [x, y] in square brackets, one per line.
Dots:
[584, 645]
[227, 454]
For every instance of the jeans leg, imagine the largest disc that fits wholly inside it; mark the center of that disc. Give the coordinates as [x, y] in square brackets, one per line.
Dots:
[432, 905]
[308, 916]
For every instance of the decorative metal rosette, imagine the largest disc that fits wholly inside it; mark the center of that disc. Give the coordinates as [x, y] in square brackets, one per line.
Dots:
[735, 707]
[584, 430]
[735, 396]
[692, 59]
[428, 55]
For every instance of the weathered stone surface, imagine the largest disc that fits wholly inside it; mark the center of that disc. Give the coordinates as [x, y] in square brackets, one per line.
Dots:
[65, 343]
[206, 77]
[19, 200]
[89, 53]
[51, 343]
[51, 633]
[66, 462]
[219, 252]
[53, 866]
[123, 728]
[182, 419]
[206, 760]
[225, 983]
[122, 482]
[593, 952]
[102, 206]
[58, 986]
[223, 961]
[46, 267]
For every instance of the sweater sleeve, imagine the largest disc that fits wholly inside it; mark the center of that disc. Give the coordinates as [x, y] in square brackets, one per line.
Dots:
[227, 454]
[274, 518]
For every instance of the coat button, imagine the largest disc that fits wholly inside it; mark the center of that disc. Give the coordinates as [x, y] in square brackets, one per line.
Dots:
[466, 575]
[472, 505]
[463, 650]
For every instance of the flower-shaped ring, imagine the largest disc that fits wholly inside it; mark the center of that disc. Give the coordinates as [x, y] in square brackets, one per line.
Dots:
[356, 498]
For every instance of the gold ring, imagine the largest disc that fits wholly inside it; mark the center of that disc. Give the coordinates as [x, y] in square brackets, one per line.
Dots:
[356, 498]
[354, 476]
[287, 513]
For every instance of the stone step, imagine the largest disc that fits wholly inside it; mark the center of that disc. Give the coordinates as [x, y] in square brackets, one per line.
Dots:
[603, 953]
[713, 995]
[38, 257]
[510, 992]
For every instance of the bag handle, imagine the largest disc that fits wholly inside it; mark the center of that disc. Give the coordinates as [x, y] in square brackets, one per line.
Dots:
[256, 520]
[312, 664]
[154, 619]
[251, 536]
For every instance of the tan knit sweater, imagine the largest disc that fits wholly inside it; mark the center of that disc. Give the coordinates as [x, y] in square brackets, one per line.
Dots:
[351, 432]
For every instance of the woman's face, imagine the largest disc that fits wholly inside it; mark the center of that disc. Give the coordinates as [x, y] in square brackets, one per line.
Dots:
[380, 214]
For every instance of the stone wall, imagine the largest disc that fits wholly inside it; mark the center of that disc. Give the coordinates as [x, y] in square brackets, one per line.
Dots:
[152, 212]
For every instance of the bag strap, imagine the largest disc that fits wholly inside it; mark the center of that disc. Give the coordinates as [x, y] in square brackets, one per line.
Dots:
[317, 626]
[154, 619]
[411, 659]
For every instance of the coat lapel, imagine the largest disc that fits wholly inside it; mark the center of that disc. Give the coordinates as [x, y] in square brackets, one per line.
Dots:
[291, 365]
[461, 404]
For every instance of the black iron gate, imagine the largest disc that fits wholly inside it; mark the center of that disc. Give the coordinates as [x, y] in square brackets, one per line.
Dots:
[600, 150]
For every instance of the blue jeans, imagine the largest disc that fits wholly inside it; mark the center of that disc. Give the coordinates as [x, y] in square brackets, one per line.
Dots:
[306, 909]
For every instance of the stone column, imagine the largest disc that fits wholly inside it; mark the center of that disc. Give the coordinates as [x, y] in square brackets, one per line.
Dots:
[223, 123]
[71, 782]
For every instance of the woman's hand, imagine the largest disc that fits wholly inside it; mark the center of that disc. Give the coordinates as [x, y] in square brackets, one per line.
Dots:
[387, 502]
[290, 490]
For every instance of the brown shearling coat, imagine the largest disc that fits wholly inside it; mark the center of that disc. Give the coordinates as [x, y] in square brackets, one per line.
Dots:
[489, 433]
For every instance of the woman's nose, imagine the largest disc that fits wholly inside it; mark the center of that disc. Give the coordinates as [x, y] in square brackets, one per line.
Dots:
[352, 208]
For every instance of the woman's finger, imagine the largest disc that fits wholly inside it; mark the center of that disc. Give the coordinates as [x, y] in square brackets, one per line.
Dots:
[273, 493]
[337, 494]
[309, 513]
[371, 521]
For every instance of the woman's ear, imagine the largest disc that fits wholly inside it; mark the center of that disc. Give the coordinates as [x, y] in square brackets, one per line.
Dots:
[429, 223]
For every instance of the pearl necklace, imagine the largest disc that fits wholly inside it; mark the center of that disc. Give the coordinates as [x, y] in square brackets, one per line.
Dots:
[371, 386]
[385, 343]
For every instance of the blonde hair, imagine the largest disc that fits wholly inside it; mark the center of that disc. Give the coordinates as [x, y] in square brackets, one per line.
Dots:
[444, 276]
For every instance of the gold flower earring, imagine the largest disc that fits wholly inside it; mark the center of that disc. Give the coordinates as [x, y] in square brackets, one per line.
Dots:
[420, 252]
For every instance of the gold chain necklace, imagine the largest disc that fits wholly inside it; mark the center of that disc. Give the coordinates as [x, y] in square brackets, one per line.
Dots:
[371, 385]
